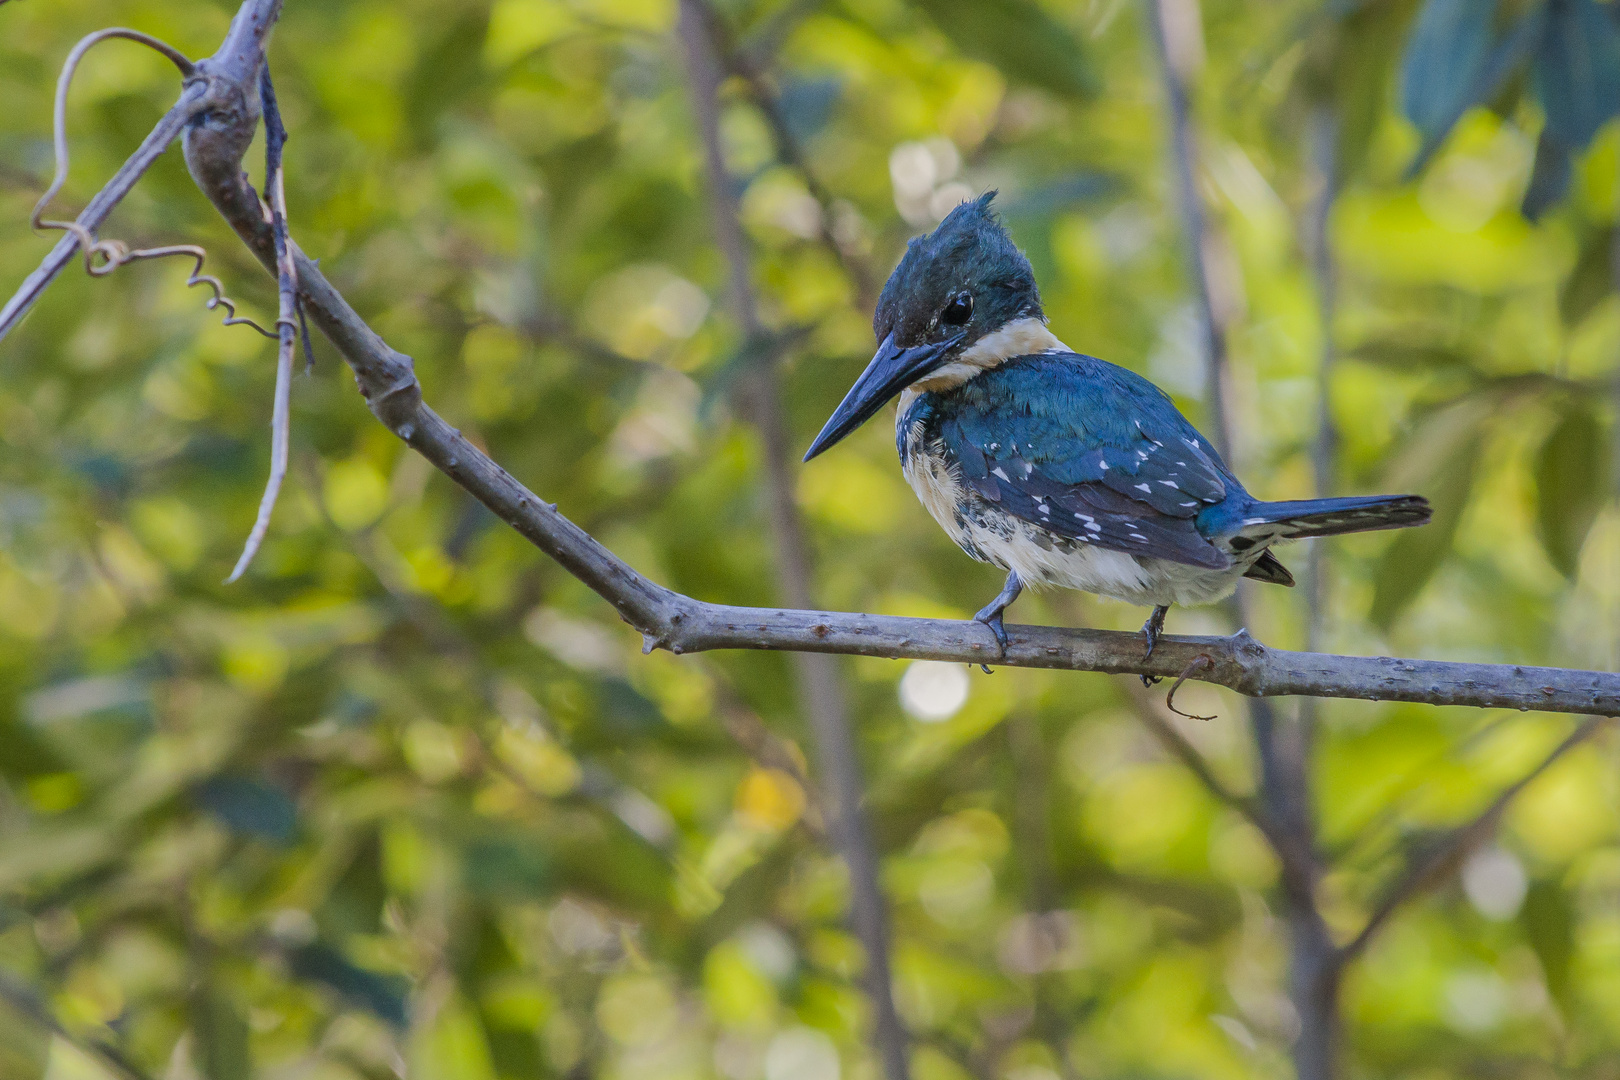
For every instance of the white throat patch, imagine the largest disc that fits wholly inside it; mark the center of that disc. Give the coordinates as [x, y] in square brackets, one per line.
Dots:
[1021, 337]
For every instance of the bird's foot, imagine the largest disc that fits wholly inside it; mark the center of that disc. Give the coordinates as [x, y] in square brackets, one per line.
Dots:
[991, 617]
[1152, 630]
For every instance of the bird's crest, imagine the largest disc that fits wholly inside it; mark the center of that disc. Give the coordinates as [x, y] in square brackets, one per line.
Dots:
[967, 253]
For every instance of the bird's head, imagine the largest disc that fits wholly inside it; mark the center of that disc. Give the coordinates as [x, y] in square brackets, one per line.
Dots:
[962, 300]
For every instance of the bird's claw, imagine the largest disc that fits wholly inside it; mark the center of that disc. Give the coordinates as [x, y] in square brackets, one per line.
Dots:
[993, 621]
[1152, 630]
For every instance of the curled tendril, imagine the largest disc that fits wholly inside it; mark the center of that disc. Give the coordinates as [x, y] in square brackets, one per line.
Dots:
[102, 257]
[1199, 663]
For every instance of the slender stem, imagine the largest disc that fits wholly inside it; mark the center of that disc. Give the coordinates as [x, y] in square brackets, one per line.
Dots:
[286, 324]
[1175, 26]
[25, 1001]
[1430, 871]
[101, 207]
[1282, 744]
[826, 703]
[1322, 136]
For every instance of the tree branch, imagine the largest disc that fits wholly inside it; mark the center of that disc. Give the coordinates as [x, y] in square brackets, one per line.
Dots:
[826, 703]
[1430, 871]
[215, 85]
[1283, 745]
[26, 1002]
[669, 620]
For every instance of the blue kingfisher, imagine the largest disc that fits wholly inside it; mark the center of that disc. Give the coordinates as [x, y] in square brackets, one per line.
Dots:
[1059, 468]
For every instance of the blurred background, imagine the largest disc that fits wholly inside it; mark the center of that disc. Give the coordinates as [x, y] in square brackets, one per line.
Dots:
[408, 799]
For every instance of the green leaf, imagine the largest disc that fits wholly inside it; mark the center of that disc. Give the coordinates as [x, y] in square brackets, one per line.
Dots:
[1020, 39]
[1549, 179]
[452, 1046]
[1548, 918]
[1592, 278]
[1572, 483]
[1439, 463]
[1367, 44]
[1577, 71]
[221, 1035]
[1454, 61]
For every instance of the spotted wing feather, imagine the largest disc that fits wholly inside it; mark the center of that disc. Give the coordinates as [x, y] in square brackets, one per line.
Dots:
[1089, 451]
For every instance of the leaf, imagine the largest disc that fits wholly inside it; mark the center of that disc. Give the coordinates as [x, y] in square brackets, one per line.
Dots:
[1572, 484]
[453, 1047]
[221, 1036]
[807, 104]
[1439, 463]
[250, 806]
[506, 867]
[1368, 42]
[1577, 71]
[1443, 58]
[1549, 179]
[1548, 918]
[384, 995]
[1592, 278]
[1019, 39]
[1453, 62]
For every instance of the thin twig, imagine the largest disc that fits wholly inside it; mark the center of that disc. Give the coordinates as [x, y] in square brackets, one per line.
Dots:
[1147, 706]
[25, 1001]
[195, 98]
[750, 66]
[286, 321]
[820, 683]
[1282, 745]
[1430, 871]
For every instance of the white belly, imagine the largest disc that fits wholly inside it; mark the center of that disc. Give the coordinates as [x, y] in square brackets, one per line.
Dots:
[1043, 558]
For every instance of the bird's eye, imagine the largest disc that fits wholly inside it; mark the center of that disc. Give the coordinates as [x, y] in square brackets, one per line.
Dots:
[958, 311]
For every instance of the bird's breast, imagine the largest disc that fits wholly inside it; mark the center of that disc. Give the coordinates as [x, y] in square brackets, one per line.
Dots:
[929, 467]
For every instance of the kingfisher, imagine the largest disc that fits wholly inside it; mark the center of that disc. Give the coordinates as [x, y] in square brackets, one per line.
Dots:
[1059, 468]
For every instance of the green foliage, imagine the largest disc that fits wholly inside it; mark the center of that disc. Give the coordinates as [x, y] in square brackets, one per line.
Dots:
[1572, 484]
[1441, 460]
[1463, 53]
[410, 796]
[1019, 38]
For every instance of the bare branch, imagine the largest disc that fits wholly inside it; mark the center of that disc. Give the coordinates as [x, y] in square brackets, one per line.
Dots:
[387, 380]
[212, 86]
[192, 100]
[1439, 865]
[750, 65]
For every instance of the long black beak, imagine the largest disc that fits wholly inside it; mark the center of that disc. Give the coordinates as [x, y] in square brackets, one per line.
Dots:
[891, 370]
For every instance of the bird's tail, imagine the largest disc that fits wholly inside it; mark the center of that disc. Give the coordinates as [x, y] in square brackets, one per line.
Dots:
[1329, 517]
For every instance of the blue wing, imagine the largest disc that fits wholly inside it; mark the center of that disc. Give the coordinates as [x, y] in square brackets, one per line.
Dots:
[1091, 451]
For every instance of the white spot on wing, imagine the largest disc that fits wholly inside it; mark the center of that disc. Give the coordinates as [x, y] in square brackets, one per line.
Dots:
[1144, 487]
[999, 471]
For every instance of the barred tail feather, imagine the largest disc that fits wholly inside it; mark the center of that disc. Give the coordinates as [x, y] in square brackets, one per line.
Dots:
[1329, 517]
